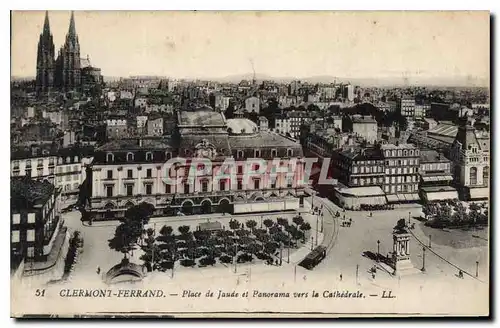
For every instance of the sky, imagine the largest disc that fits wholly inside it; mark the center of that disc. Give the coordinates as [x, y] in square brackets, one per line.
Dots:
[279, 44]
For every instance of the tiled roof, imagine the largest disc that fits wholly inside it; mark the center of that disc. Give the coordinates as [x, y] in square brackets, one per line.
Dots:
[26, 193]
[200, 118]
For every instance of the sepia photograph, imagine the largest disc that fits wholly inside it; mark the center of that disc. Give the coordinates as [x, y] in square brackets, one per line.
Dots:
[241, 164]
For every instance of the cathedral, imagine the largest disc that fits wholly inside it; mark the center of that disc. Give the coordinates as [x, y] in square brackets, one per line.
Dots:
[63, 74]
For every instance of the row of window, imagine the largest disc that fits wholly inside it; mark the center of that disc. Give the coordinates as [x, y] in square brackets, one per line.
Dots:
[401, 188]
[187, 187]
[404, 170]
[399, 153]
[68, 178]
[110, 157]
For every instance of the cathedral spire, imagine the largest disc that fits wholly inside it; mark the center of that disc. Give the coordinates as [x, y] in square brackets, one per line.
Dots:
[72, 28]
[46, 25]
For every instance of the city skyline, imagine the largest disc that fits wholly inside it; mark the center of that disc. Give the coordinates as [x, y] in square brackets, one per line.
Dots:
[274, 48]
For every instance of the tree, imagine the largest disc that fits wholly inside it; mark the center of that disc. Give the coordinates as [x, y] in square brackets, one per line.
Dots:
[282, 221]
[298, 220]
[125, 238]
[268, 223]
[234, 224]
[184, 230]
[305, 227]
[166, 230]
[251, 224]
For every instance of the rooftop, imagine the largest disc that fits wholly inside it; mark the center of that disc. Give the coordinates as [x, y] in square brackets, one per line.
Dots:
[241, 126]
[362, 191]
[262, 140]
[133, 144]
[26, 193]
[202, 117]
[431, 156]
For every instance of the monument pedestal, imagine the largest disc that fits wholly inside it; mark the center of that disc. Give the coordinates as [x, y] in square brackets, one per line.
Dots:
[401, 254]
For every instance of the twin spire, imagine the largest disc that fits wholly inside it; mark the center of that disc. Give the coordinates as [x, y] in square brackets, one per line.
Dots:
[72, 28]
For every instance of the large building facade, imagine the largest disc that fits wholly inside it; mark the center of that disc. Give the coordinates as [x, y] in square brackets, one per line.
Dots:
[127, 172]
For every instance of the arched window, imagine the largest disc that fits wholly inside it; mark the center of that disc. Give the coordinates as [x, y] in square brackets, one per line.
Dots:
[411, 152]
[149, 156]
[405, 153]
[168, 155]
[289, 153]
[130, 157]
[486, 175]
[110, 157]
[240, 154]
[473, 175]
[68, 159]
[59, 160]
[75, 159]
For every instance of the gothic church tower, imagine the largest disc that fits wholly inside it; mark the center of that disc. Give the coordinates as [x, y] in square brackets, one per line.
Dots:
[45, 60]
[68, 61]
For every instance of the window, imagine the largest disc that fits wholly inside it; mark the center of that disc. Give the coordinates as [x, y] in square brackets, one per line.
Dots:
[222, 185]
[168, 189]
[28, 164]
[289, 183]
[30, 235]
[129, 189]
[473, 175]
[130, 174]
[110, 157]
[40, 163]
[67, 178]
[240, 169]
[149, 189]
[274, 153]
[130, 157]
[256, 184]
[486, 175]
[289, 152]
[204, 186]
[273, 184]
[148, 173]
[186, 188]
[168, 155]
[240, 154]
[149, 156]
[256, 153]
[15, 236]
[109, 191]
[239, 184]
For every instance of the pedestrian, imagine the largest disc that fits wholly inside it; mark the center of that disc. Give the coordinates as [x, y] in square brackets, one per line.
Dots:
[98, 270]
[373, 275]
[341, 277]
[371, 214]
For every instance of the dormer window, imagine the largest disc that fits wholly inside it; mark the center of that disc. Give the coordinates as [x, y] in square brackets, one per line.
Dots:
[110, 157]
[68, 159]
[149, 156]
[289, 152]
[240, 154]
[130, 157]
[168, 155]
[274, 153]
[75, 159]
[256, 153]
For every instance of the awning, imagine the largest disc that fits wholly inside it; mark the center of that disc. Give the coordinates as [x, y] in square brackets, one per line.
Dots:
[479, 193]
[441, 195]
[437, 178]
[392, 198]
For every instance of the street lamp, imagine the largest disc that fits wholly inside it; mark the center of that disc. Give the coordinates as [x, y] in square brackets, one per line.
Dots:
[312, 243]
[378, 250]
[477, 269]
[316, 229]
[261, 221]
[430, 239]
[409, 216]
[423, 259]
